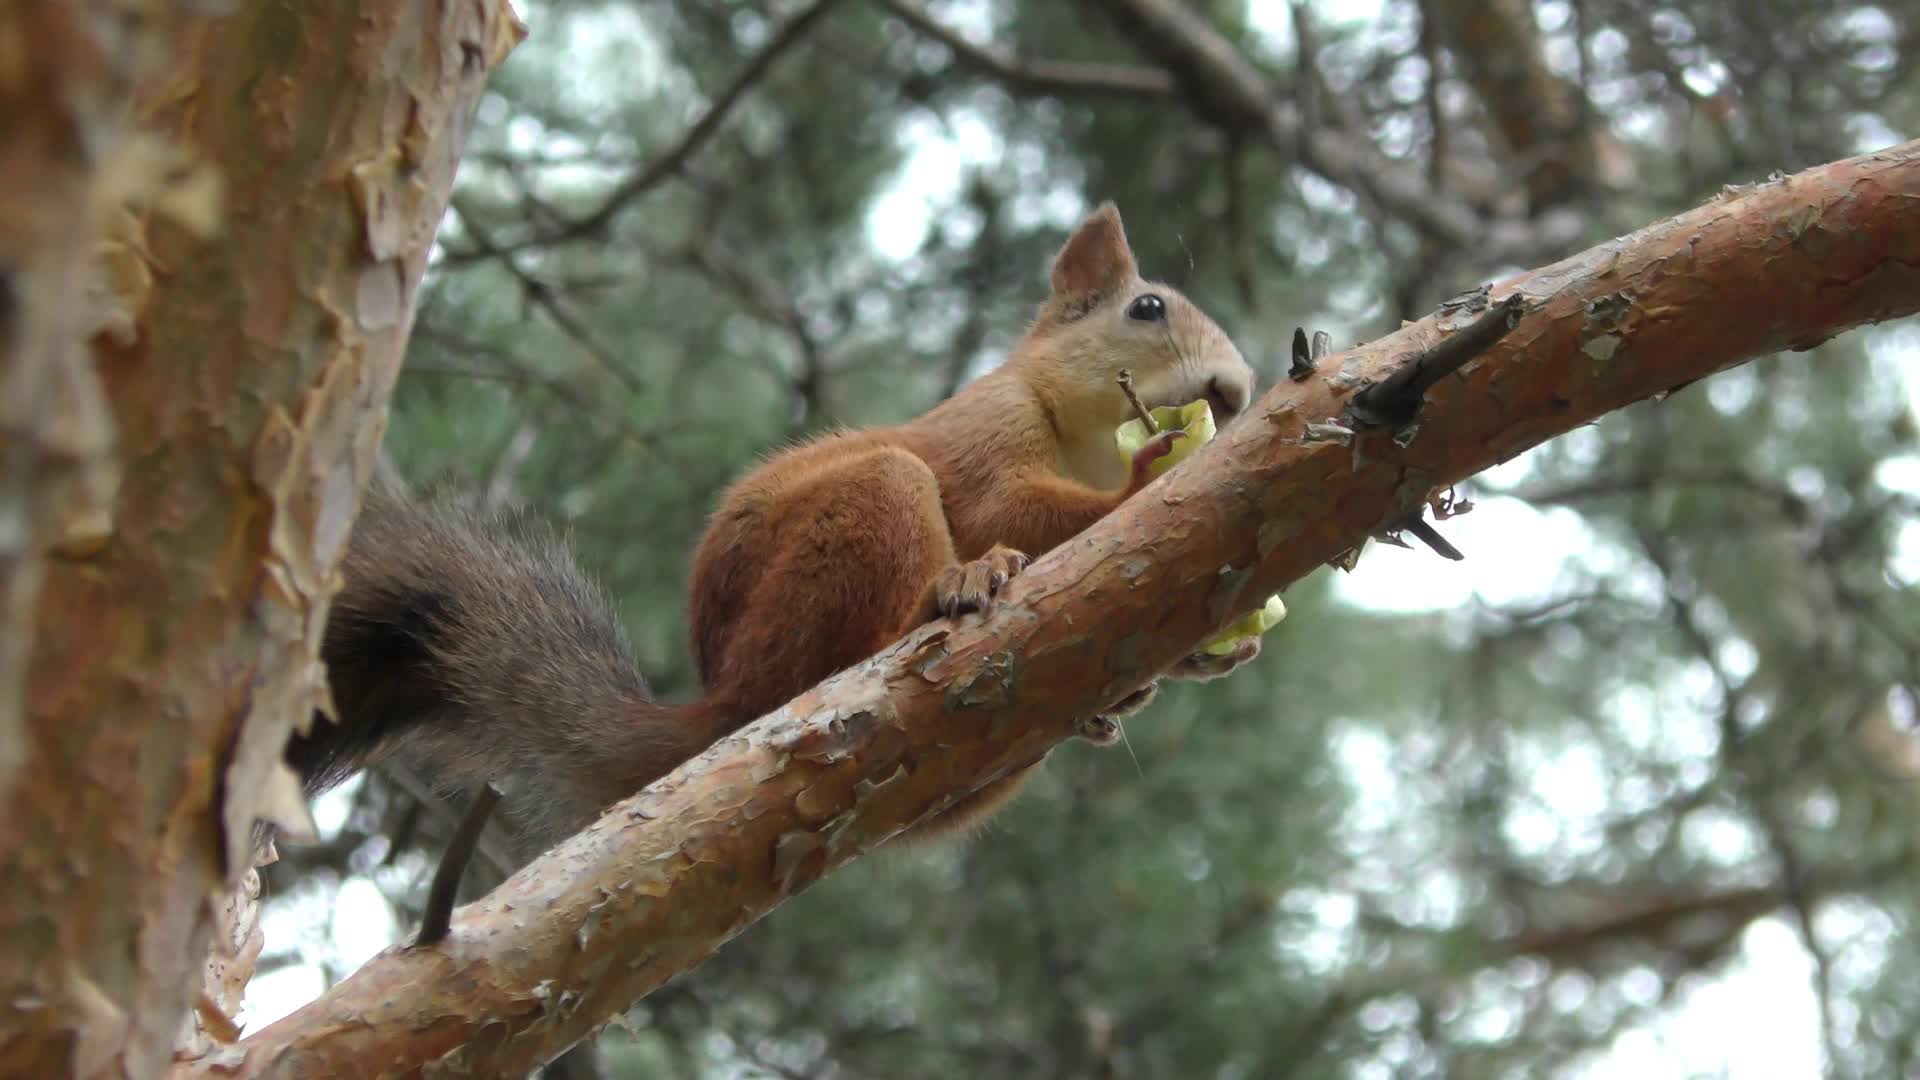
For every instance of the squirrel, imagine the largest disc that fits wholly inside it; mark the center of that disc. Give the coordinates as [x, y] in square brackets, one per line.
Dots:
[474, 650]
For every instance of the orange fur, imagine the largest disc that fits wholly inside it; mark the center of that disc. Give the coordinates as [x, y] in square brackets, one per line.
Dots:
[833, 549]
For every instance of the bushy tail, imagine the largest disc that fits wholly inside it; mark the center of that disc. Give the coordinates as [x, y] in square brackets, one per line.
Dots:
[472, 648]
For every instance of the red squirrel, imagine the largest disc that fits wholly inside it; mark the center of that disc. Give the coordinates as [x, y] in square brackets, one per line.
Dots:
[475, 651]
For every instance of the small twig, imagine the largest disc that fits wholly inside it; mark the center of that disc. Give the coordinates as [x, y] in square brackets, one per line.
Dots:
[402, 836]
[1330, 109]
[542, 295]
[670, 162]
[1302, 367]
[438, 916]
[1422, 531]
[1795, 884]
[1444, 506]
[1239, 236]
[1395, 400]
[1447, 504]
[1126, 387]
[1066, 79]
[1437, 141]
[1307, 355]
[404, 780]
[703, 129]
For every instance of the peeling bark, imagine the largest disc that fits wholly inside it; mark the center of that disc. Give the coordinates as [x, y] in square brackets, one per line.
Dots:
[248, 380]
[61, 98]
[237, 940]
[668, 876]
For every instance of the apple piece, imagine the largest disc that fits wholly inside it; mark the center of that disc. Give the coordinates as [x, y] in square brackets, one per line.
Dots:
[1195, 418]
[1252, 624]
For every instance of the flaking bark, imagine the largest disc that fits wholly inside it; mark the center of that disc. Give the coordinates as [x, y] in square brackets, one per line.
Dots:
[61, 98]
[247, 378]
[666, 877]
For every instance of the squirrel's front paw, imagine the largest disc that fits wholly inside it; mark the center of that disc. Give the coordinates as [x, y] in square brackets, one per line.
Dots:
[1203, 667]
[972, 586]
[1104, 729]
[1156, 448]
[1134, 702]
[1099, 730]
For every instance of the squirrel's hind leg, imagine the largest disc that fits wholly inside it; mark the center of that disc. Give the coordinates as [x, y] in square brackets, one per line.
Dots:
[839, 564]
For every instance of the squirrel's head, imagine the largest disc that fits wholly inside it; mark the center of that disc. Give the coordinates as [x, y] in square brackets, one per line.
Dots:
[1101, 318]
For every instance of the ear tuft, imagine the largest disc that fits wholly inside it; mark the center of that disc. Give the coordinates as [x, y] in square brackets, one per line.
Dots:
[1094, 261]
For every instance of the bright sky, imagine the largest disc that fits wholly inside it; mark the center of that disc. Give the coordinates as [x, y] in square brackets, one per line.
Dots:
[1758, 1020]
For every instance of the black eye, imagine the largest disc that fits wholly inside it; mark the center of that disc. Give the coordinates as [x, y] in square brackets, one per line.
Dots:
[1148, 308]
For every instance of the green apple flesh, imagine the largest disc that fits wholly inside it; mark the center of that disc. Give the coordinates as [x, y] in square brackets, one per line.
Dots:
[1251, 625]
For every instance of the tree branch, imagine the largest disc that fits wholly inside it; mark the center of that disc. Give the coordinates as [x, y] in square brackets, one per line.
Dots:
[1540, 115]
[1230, 90]
[669, 163]
[669, 875]
[1054, 77]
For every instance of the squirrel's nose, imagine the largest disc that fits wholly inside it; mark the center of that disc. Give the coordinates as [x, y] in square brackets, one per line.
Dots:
[1227, 397]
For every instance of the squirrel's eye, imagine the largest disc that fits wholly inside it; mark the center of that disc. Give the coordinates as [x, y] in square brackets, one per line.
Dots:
[1148, 308]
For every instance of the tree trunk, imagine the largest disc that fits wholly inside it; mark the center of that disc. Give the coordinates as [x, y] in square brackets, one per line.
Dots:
[668, 876]
[61, 100]
[248, 379]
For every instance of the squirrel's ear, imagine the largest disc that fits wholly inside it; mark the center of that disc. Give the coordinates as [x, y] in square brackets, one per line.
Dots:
[1095, 260]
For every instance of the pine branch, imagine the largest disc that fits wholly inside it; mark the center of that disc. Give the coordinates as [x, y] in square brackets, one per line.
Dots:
[1063, 78]
[1225, 87]
[668, 876]
[674, 158]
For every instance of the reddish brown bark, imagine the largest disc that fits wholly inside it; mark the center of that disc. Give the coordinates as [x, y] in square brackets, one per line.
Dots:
[61, 100]
[248, 379]
[669, 875]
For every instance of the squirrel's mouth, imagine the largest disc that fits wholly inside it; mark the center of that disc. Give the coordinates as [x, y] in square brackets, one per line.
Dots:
[1227, 400]
[1226, 397]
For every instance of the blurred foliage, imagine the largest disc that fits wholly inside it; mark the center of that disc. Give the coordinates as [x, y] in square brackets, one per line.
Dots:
[1484, 835]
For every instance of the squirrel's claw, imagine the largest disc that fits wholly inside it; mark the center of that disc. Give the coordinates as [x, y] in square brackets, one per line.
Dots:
[1099, 730]
[1104, 728]
[1204, 667]
[965, 587]
[1133, 703]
